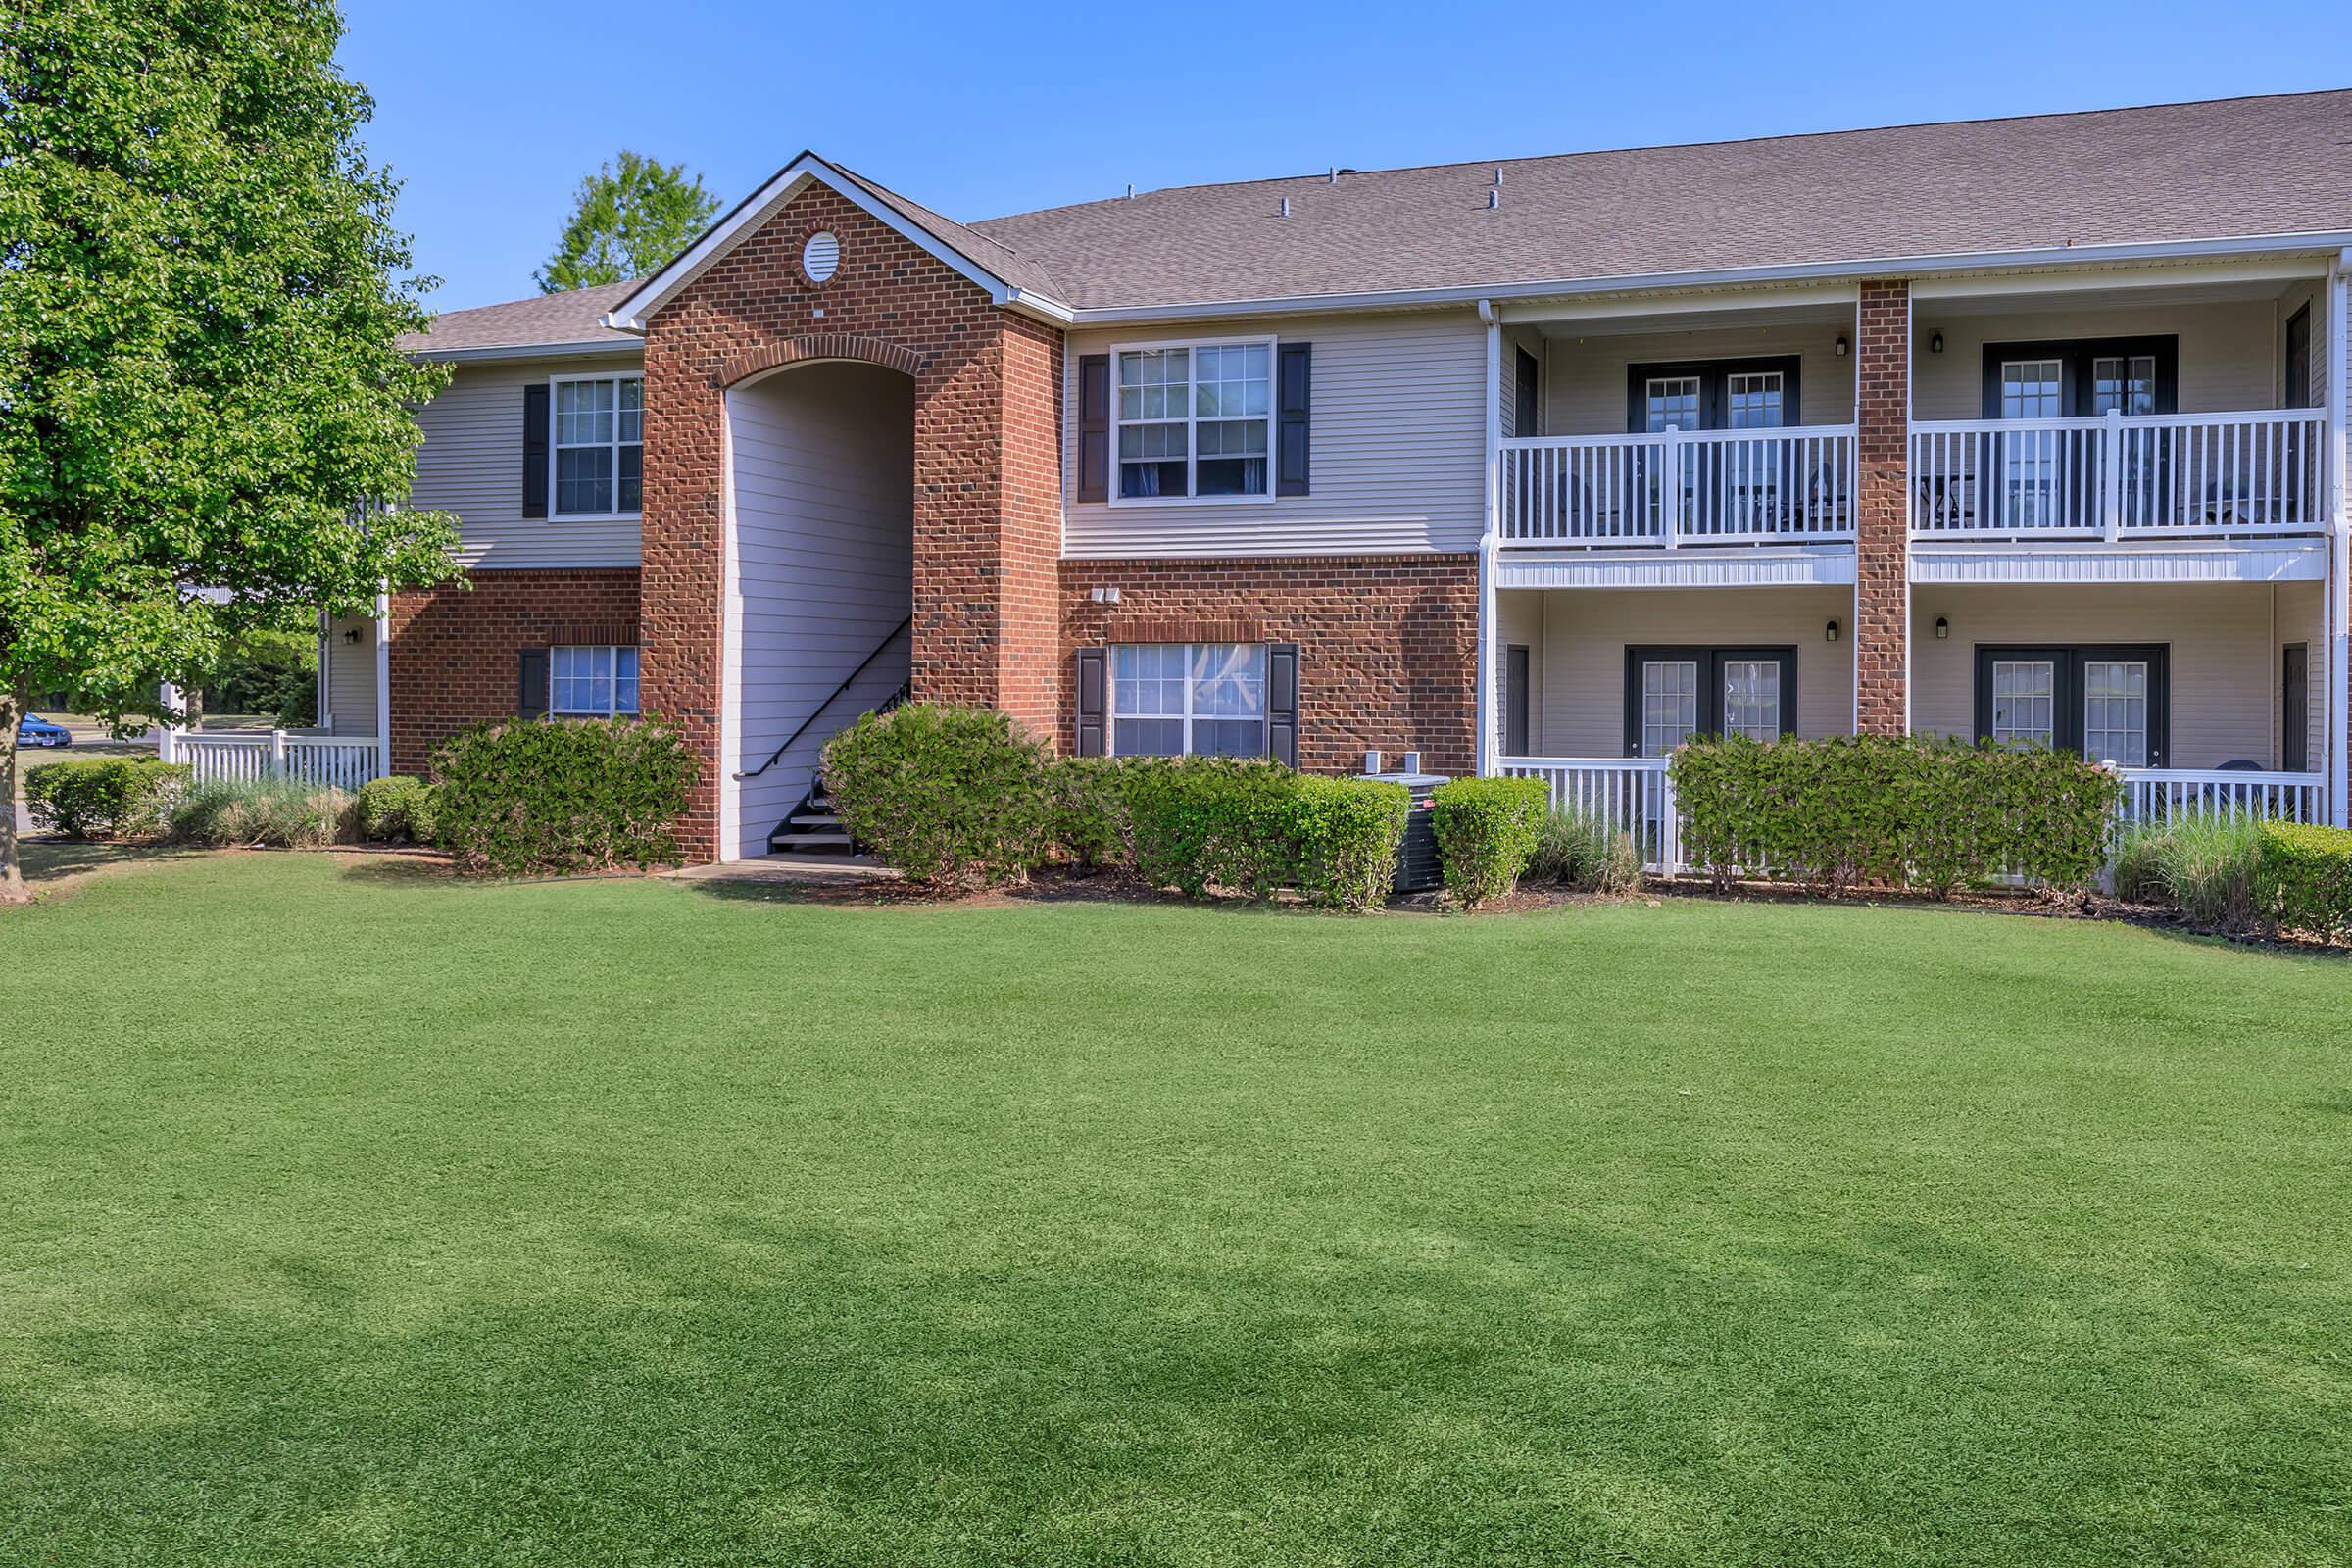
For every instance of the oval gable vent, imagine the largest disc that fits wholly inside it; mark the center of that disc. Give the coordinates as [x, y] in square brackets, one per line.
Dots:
[821, 258]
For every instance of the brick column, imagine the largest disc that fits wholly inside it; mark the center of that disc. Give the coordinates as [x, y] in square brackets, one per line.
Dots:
[1881, 595]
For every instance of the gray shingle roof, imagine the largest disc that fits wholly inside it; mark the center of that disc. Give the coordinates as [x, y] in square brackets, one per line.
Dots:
[2222, 169]
[568, 318]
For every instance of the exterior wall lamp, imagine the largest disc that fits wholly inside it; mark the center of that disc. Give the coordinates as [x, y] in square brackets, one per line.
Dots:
[1843, 347]
[1830, 632]
[1943, 628]
[1935, 342]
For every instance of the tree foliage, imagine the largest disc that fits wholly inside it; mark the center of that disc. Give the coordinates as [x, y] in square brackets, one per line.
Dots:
[200, 381]
[627, 222]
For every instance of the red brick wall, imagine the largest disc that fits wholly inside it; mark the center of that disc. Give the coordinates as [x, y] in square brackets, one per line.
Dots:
[1389, 645]
[455, 649]
[987, 467]
[1883, 413]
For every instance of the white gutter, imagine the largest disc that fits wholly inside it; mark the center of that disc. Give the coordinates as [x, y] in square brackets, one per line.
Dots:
[1489, 540]
[2338, 608]
[1795, 272]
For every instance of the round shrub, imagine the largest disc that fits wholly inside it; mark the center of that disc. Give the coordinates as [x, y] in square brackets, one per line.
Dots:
[953, 796]
[105, 797]
[1486, 829]
[398, 809]
[527, 797]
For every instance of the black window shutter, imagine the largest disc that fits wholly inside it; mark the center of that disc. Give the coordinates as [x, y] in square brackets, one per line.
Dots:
[1281, 703]
[1090, 700]
[1292, 418]
[530, 683]
[535, 451]
[1094, 427]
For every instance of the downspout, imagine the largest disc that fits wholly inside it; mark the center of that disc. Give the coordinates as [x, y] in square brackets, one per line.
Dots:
[383, 683]
[1489, 540]
[2339, 498]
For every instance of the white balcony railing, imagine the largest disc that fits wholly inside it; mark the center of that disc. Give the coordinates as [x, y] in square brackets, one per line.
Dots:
[1635, 795]
[321, 760]
[2119, 476]
[1632, 794]
[1678, 487]
[2163, 794]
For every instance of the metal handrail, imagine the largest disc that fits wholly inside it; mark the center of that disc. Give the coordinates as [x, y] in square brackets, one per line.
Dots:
[817, 712]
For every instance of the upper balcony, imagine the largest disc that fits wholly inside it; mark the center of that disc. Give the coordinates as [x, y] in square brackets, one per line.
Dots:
[1711, 427]
[2119, 413]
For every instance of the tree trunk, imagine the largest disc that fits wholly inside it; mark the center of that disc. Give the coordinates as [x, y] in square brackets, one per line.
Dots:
[12, 876]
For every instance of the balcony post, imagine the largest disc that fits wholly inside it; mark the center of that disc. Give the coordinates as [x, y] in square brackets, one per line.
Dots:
[1881, 544]
[1670, 489]
[2111, 474]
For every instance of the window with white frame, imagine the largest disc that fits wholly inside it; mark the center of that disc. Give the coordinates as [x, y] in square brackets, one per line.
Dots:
[592, 682]
[599, 445]
[1179, 699]
[1193, 421]
[2025, 701]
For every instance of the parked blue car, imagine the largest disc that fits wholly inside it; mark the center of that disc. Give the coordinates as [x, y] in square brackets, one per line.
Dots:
[34, 730]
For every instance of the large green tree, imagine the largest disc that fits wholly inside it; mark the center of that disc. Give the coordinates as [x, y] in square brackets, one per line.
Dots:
[203, 407]
[627, 222]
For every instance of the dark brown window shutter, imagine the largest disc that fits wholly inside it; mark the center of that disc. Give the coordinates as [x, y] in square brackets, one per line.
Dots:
[1281, 703]
[535, 451]
[1091, 718]
[1292, 410]
[1094, 427]
[530, 683]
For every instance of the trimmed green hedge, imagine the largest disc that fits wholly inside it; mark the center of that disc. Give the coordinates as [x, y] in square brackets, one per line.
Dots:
[1486, 828]
[1925, 813]
[1201, 823]
[105, 797]
[398, 807]
[2303, 878]
[955, 795]
[525, 796]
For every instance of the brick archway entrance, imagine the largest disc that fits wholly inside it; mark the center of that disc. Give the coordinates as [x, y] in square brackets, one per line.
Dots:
[987, 470]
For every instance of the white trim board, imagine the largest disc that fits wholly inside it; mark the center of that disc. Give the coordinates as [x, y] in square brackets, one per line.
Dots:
[2286, 560]
[1765, 567]
[632, 314]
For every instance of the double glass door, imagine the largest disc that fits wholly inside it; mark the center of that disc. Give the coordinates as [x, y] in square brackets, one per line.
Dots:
[1675, 693]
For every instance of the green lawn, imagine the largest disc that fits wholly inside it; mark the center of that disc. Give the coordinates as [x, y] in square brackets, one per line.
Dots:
[350, 1218]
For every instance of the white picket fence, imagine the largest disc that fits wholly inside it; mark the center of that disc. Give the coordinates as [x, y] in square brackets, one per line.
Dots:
[1635, 796]
[343, 762]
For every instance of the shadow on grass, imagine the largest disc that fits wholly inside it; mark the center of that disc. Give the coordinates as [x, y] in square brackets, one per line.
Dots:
[51, 862]
[388, 868]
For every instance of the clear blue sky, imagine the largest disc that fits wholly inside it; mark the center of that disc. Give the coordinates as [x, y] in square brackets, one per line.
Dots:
[493, 110]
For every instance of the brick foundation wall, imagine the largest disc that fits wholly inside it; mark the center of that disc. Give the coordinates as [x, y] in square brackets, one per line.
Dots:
[455, 649]
[987, 464]
[1388, 645]
[1882, 593]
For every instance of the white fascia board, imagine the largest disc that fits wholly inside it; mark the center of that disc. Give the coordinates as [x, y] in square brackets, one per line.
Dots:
[1728, 567]
[532, 351]
[2095, 562]
[1853, 270]
[632, 314]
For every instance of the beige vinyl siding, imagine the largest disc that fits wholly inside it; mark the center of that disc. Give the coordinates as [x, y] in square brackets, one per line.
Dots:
[1586, 378]
[350, 677]
[1519, 620]
[471, 465]
[2224, 656]
[2229, 352]
[1584, 633]
[1396, 448]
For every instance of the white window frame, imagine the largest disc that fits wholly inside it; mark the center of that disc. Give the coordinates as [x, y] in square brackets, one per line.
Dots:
[555, 449]
[610, 710]
[1192, 421]
[1110, 698]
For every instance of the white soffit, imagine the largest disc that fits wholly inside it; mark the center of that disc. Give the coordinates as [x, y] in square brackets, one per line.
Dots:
[2279, 560]
[1719, 567]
